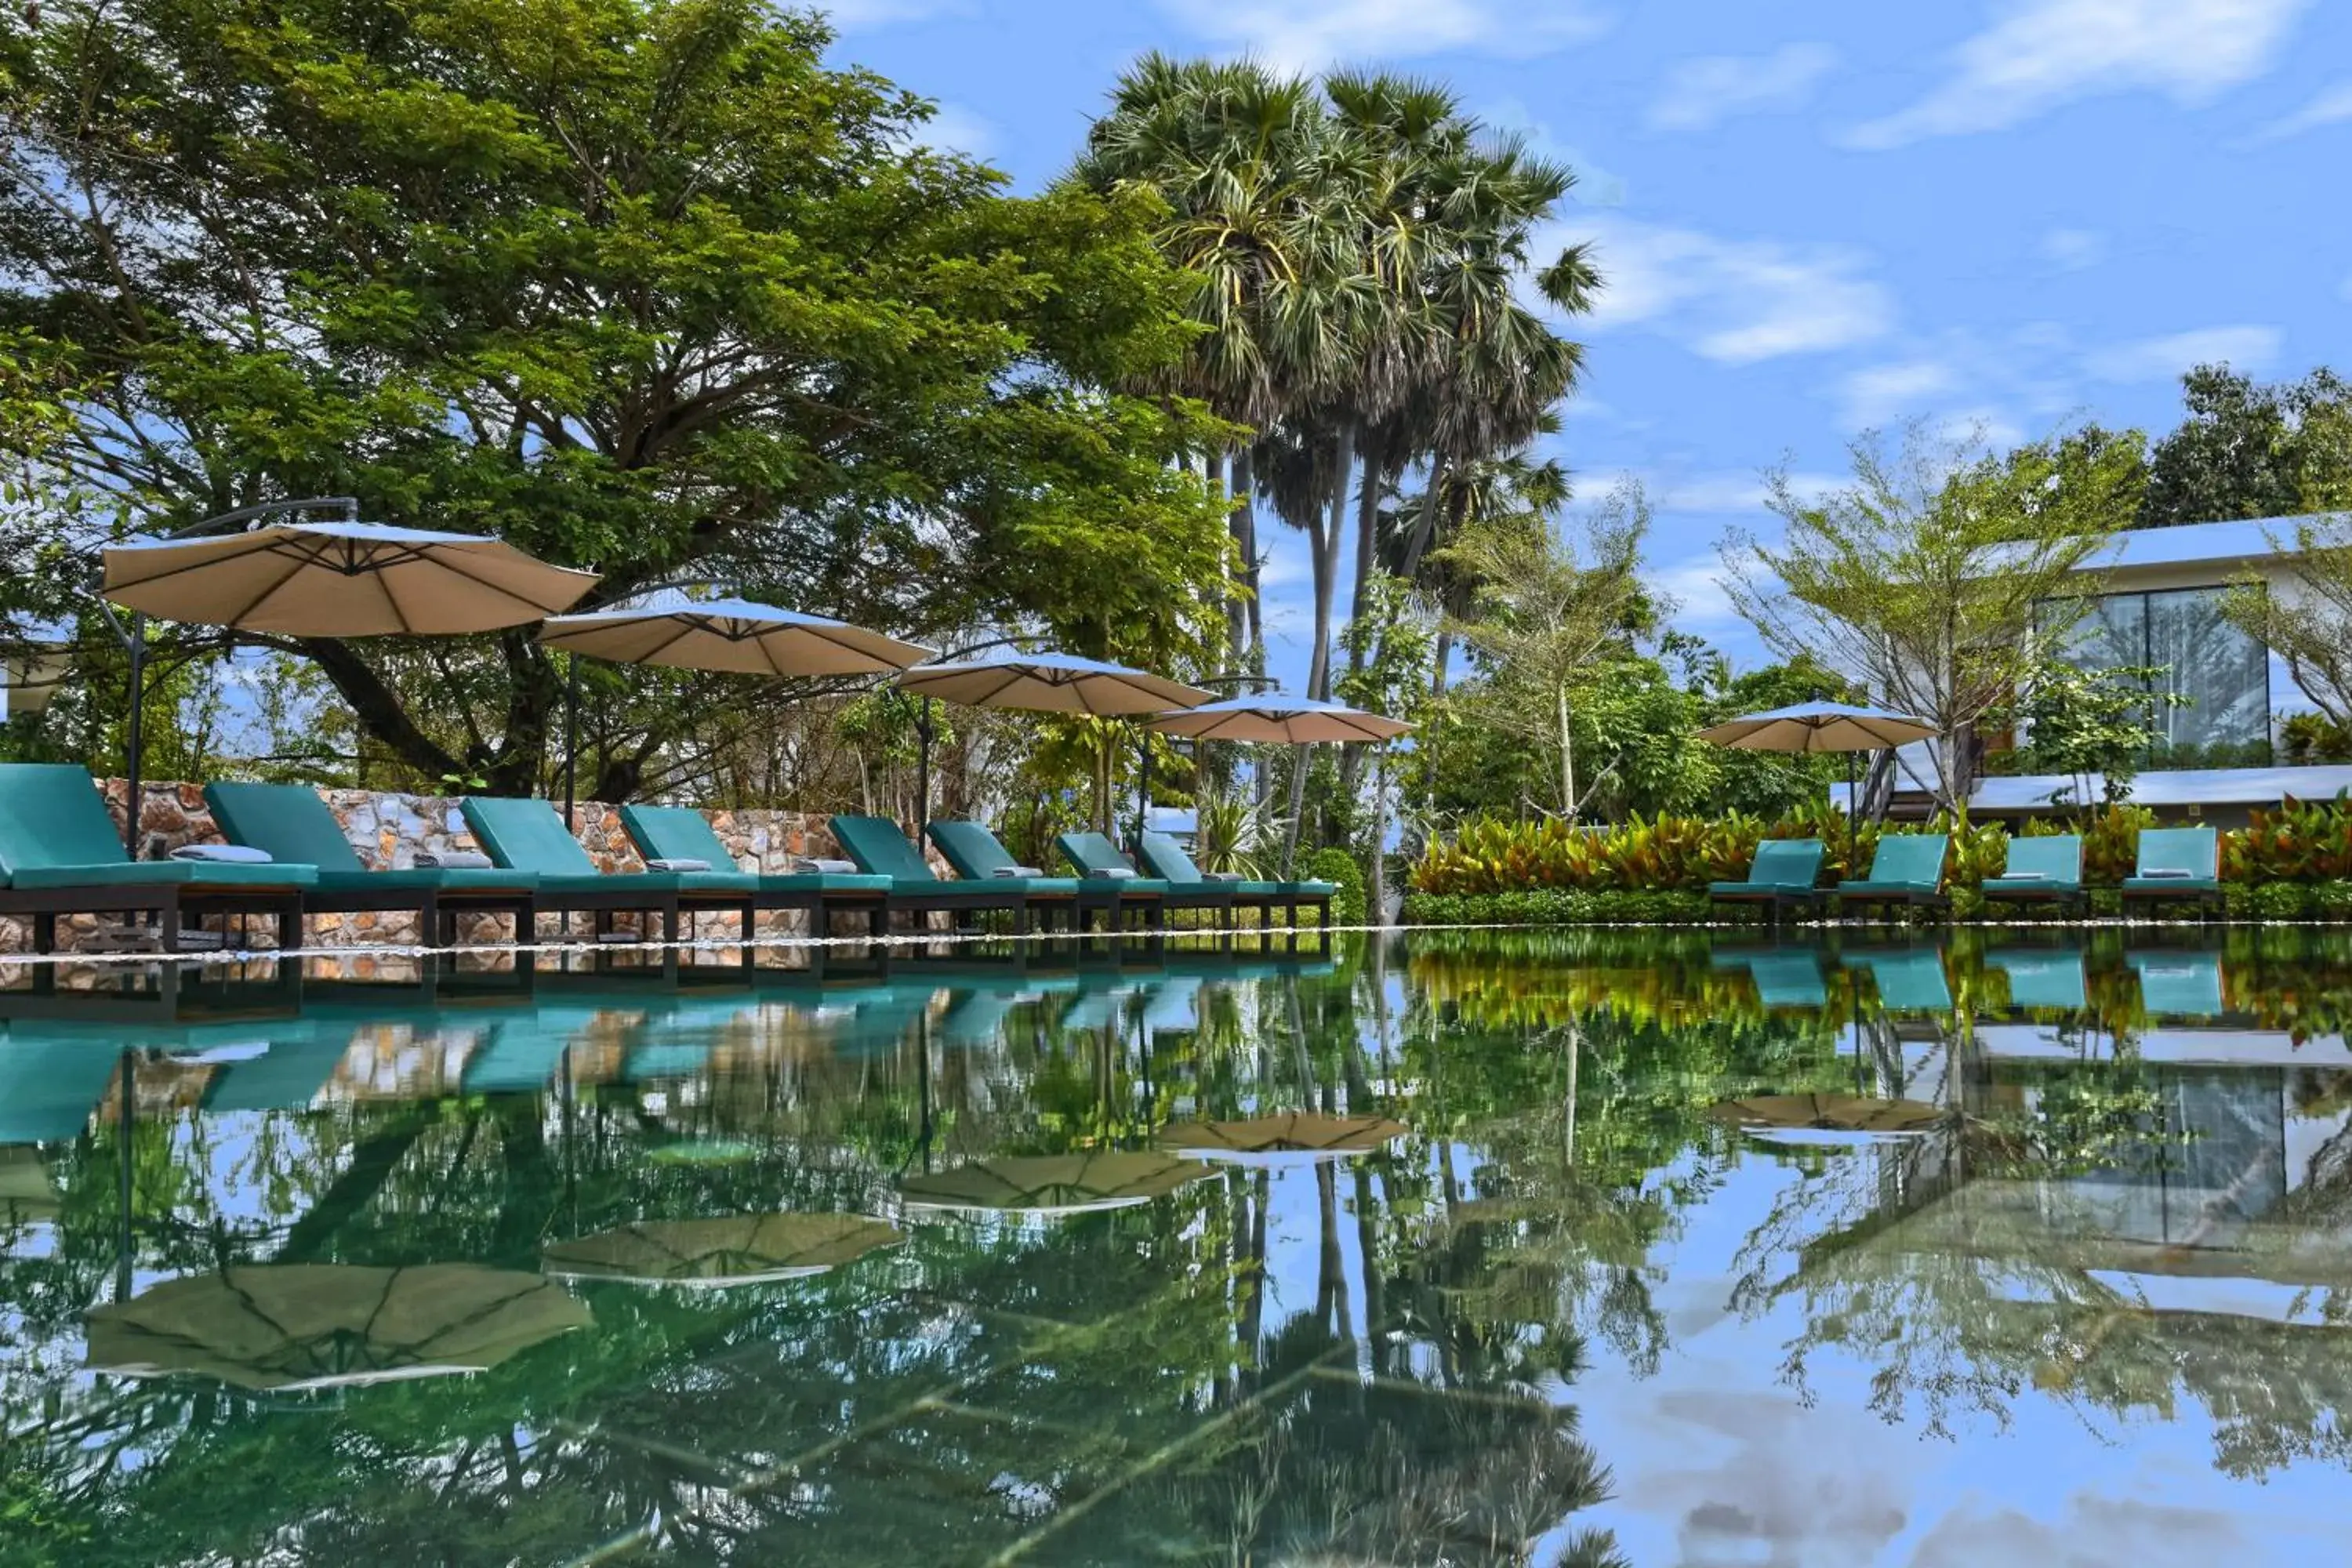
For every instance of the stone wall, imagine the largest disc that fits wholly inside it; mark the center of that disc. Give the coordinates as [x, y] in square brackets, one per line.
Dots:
[387, 830]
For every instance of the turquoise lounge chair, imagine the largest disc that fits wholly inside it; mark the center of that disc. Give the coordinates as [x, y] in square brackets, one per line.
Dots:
[1783, 874]
[1094, 855]
[979, 856]
[2177, 863]
[290, 822]
[1910, 980]
[881, 850]
[2051, 981]
[527, 835]
[678, 833]
[290, 1075]
[2179, 984]
[1166, 860]
[2047, 869]
[1790, 978]
[49, 1088]
[61, 854]
[1906, 868]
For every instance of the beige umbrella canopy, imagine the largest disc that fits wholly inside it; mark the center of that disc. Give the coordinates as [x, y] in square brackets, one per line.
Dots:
[1052, 1183]
[291, 1327]
[340, 580]
[1850, 1114]
[1050, 683]
[733, 1249]
[735, 636]
[1821, 727]
[1293, 1136]
[26, 1193]
[1277, 717]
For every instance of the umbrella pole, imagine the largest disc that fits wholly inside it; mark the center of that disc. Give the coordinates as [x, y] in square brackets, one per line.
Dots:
[134, 741]
[1143, 788]
[571, 740]
[922, 770]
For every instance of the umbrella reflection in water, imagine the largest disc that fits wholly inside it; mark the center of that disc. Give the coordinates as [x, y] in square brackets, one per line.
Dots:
[294, 1327]
[731, 1249]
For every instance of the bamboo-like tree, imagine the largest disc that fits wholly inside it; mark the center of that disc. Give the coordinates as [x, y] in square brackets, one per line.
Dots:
[1944, 577]
[1549, 609]
[2306, 619]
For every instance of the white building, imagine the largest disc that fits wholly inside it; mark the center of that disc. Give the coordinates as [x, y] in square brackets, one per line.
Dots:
[2158, 604]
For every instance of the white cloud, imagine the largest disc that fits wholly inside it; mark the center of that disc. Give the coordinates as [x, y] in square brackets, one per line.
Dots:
[1309, 35]
[2344, 287]
[955, 129]
[1880, 395]
[2332, 106]
[1738, 301]
[2072, 249]
[1702, 93]
[2039, 54]
[1695, 586]
[2246, 348]
[1722, 490]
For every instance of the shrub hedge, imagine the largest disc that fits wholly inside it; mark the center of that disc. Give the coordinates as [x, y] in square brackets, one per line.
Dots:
[2291, 863]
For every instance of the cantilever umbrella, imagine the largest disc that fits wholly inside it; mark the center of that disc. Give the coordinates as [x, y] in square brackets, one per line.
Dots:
[742, 637]
[297, 1326]
[341, 579]
[1039, 683]
[1828, 1118]
[1052, 1183]
[1279, 719]
[712, 1254]
[1822, 727]
[1290, 1138]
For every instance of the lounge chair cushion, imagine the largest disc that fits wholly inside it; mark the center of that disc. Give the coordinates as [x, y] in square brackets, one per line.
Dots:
[977, 854]
[658, 883]
[289, 821]
[166, 873]
[2195, 851]
[1094, 855]
[429, 879]
[675, 833]
[1903, 863]
[2173, 886]
[1783, 867]
[528, 835]
[880, 850]
[2051, 861]
[824, 882]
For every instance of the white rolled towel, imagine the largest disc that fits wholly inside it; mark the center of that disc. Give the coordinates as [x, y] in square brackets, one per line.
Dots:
[223, 854]
[677, 865]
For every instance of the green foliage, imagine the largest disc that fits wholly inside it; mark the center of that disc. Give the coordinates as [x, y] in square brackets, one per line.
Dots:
[2091, 724]
[1683, 853]
[2309, 738]
[2309, 625]
[1341, 867]
[1568, 906]
[2299, 841]
[636, 284]
[2251, 450]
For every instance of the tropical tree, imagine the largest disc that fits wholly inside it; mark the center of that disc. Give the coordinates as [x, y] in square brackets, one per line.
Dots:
[2305, 617]
[1548, 609]
[1944, 577]
[2251, 450]
[641, 285]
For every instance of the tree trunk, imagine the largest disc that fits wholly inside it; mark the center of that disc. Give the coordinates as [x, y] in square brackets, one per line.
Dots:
[1299, 755]
[1242, 525]
[1567, 756]
[1377, 884]
[1367, 526]
[1424, 528]
[1324, 540]
[1437, 667]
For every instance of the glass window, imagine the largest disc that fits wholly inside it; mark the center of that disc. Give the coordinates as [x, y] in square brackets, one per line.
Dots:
[2224, 674]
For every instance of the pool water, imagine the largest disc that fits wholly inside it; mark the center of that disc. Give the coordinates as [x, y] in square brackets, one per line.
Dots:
[1451, 1248]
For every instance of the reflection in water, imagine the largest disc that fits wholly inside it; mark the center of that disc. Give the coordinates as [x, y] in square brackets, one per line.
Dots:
[1465, 1247]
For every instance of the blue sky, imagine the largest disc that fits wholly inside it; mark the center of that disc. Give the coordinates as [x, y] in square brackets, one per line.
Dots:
[1815, 219]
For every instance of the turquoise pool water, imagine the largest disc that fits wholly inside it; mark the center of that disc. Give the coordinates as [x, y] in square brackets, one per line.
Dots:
[1462, 1248]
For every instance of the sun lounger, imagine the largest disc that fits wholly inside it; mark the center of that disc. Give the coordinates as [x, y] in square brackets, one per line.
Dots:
[1094, 855]
[1165, 859]
[1910, 980]
[2179, 984]
[680, 833]
[527, 835]
[979, 855]
[2046, 870]
[2176, 863]
[1783, 874]
[1905, 868]
[881, 850]
[2042, 981]
[290, 822]
[61, 854]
